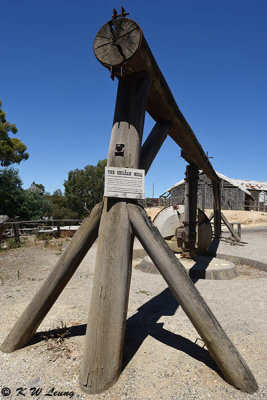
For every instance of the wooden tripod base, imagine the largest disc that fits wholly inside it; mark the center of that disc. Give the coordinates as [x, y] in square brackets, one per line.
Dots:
[120, 220]
[101, 363]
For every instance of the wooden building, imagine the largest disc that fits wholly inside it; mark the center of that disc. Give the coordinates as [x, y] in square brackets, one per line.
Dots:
[236, 194]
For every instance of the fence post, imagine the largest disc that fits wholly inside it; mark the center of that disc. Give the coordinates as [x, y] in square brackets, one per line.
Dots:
[16, 233]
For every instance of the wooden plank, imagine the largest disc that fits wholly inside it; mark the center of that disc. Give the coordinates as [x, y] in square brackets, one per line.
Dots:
[33, 315]
[153, 144]
[101, 364]
[161, 104]
[231, 364]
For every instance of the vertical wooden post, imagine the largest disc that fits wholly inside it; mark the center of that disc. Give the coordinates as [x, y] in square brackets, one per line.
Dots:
[58, 229]
[104, 340]
[16, 233]
[190, 208]
[203, 197]
[217, 208]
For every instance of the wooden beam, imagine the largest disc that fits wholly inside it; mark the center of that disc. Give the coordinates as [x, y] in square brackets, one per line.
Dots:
[33, 315]
[153, 144]
[101, 364]
[217, 208]
[211, 216]
[231, 364]
[190, 209]
[233, 233]
[121, 47]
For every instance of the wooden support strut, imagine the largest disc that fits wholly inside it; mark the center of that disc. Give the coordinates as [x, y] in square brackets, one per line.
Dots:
[101, 364]
[231, 364]
[228, 225]
[121, 47]
[153, 144]
[27, 324]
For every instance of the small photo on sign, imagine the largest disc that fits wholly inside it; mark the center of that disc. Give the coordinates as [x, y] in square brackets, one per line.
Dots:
[126, 183]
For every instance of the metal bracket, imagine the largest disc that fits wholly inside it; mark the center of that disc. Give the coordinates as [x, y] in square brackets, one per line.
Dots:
[119, 149]
[123, 13]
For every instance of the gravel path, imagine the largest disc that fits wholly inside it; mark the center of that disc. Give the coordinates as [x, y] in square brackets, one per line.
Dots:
[161, 360]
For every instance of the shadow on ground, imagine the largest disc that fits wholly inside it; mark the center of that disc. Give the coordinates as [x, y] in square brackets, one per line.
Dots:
[138, 328]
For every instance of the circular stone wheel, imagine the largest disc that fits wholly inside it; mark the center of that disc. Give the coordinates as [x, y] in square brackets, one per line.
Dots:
[117, 41]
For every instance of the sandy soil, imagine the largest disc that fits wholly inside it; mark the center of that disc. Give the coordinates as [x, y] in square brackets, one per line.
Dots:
[247, 219]
[163, 359]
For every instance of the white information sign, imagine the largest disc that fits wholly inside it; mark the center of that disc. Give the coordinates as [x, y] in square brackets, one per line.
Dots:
[124, 183]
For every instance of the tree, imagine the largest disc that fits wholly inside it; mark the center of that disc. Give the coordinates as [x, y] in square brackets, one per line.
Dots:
[37, 188]
[60, 208]
[34, 205]
[12, 150]
[11, 192]
[16, 202]
[85, 187]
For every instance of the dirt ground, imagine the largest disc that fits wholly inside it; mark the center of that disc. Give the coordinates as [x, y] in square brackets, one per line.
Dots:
[163, 354]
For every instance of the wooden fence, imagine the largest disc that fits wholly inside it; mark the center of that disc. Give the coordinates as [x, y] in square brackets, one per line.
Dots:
[16, 229]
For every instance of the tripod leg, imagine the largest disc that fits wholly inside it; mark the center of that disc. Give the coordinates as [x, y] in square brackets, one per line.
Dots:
[231, 364]
[33, 315]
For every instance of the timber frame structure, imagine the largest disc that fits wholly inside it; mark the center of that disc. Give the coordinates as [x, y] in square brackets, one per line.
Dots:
[121, 47]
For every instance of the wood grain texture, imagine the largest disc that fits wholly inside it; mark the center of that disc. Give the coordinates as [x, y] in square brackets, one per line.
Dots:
[33, 315]
[104, 340]
[153, 144]
[101, 364]
[117, 41]
[231, 364]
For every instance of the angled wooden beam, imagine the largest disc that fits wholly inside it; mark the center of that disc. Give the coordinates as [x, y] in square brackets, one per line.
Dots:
[211, 216]
[121, 47]
[46, 296]
[233, 233]
[230, 362]
[153, 144]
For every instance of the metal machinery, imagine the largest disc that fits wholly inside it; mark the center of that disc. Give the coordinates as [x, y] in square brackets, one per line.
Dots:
[170, 223]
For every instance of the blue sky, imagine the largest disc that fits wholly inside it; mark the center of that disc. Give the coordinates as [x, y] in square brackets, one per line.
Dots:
[213, 55]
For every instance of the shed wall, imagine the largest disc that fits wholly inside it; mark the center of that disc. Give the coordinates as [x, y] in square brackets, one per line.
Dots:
[232, 198]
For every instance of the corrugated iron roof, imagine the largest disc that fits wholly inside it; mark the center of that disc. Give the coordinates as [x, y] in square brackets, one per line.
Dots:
[229, 180]
[251, 184]
[243, 184]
